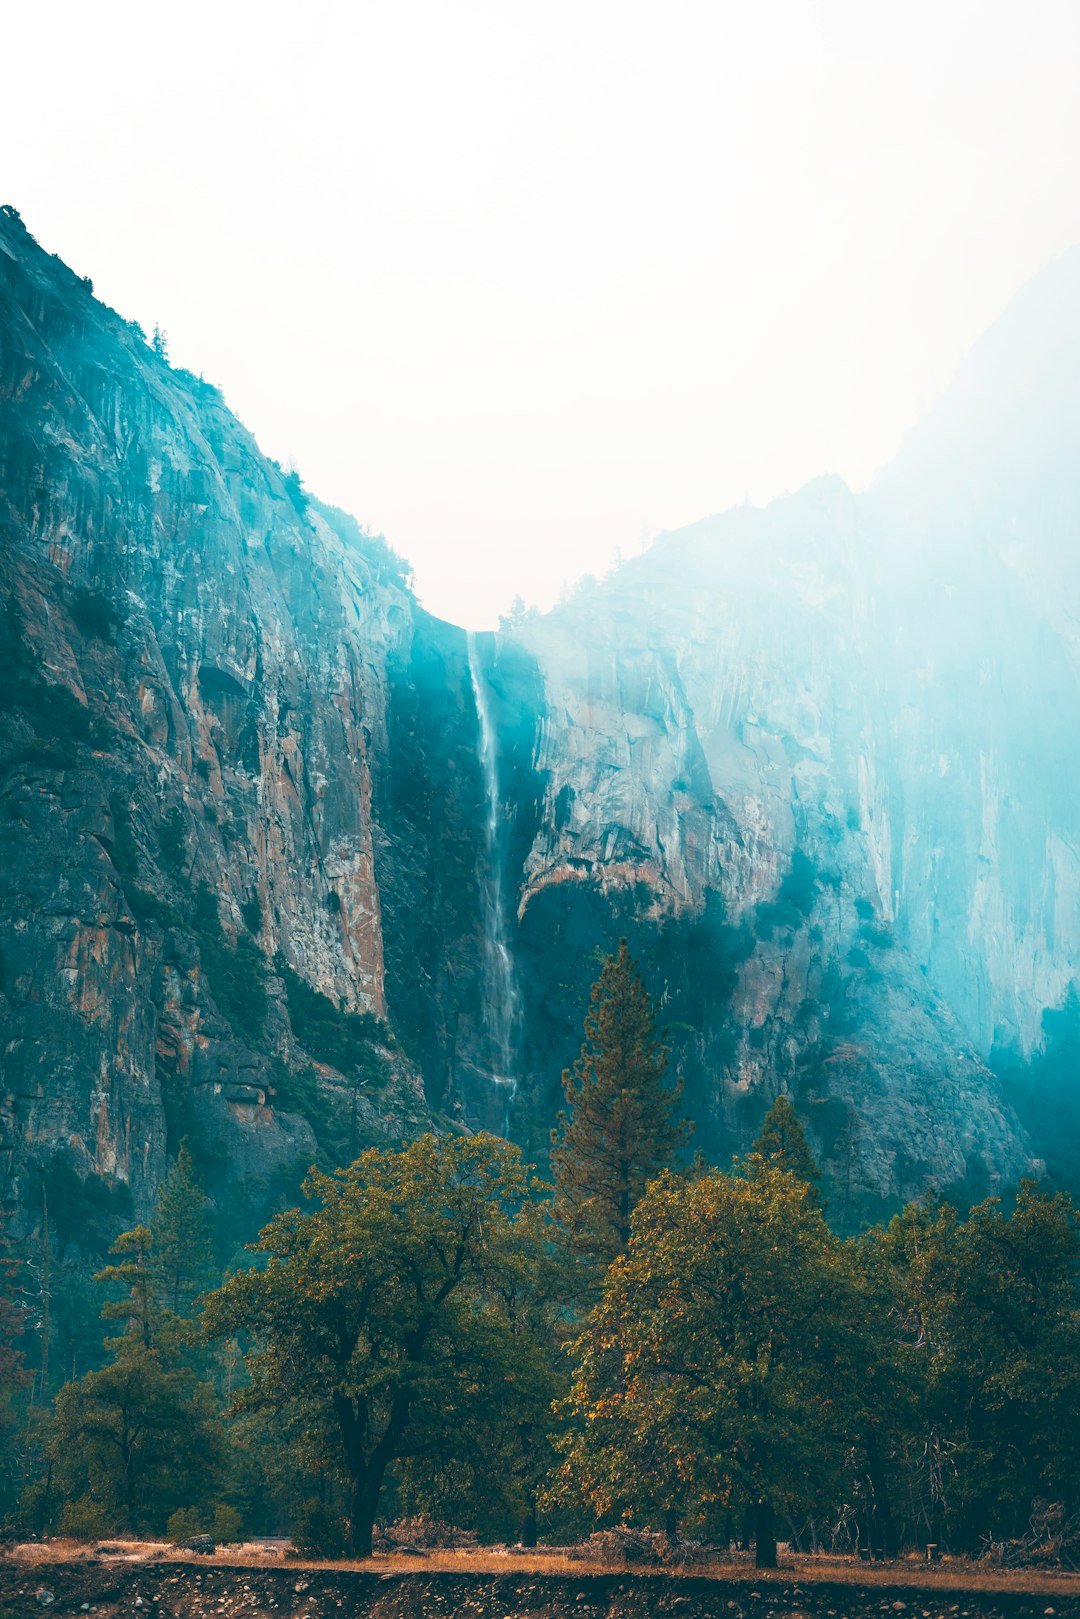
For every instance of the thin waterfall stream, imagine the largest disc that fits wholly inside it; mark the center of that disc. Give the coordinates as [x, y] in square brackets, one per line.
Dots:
[501, 1003]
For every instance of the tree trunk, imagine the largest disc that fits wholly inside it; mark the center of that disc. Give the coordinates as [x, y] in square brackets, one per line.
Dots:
[671, 1525]
[364, 1495]
[764, 1536]
[527, 1530]
[882, 1525]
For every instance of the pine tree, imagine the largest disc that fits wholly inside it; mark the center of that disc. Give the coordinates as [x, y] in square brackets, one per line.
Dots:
[620, 1130]
[166, 1265]
[183, 1254]
[783, 1144]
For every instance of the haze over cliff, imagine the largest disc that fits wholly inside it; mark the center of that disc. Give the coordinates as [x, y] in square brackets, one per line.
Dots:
[289, 866]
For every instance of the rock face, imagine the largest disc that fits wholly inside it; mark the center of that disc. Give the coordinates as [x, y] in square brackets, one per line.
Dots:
[282, 857]
[197, 707]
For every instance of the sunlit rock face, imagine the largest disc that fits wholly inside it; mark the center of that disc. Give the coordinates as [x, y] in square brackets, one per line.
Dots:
[815, 762]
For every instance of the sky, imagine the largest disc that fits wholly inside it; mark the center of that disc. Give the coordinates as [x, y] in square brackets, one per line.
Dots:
[521, 286]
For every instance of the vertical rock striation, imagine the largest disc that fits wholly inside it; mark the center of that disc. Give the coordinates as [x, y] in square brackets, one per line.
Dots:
[283, 856]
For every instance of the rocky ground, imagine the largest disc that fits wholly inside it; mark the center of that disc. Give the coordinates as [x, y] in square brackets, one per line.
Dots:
[170, 1589]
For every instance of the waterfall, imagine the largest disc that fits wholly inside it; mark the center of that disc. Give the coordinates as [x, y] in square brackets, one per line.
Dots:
[501, 1008]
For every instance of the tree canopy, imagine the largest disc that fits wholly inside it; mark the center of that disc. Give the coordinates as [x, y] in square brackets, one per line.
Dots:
[384, 1312]
[620, 1126]
[712, 1373]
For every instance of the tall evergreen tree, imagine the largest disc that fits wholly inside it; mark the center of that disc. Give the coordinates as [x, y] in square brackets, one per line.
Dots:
[783, 1144]
[620, 1130]
[183, 1255]
[139, 1438]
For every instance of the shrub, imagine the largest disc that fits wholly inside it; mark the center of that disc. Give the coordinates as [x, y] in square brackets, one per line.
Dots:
[85, 1519]
[251, 911]
[221, 1522]
[296, 1090]
[342, 1040]
[296, 492]
[317, 1531]
[237, 976]
[798, 887]
[147, 907]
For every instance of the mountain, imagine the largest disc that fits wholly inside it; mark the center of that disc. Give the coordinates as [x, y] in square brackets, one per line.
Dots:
[288, 865]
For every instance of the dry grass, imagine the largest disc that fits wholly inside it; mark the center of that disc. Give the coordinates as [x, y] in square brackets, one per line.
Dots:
[952, 1574]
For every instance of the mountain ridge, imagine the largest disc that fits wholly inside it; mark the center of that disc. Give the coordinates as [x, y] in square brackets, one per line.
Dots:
[276, 791]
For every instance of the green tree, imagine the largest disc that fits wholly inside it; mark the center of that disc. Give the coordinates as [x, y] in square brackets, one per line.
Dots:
[998, 1292]
[138, 1304]
[488, 1469]
[164, 1266]
[619, 1131]
[713, 1374]
[783, 1142]
[134, 1441]
[182, 1250]
[381, 1315]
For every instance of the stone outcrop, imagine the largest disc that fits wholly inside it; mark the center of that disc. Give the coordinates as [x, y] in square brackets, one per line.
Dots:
[808, 759]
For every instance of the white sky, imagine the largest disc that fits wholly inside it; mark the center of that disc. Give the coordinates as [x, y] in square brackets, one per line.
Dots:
[521, 285]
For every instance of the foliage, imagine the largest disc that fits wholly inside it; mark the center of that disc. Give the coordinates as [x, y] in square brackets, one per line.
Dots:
[182, 1250]
[85, 1211]
[134, 1439]
[236, 974]
[713, 1371]
[13, 1371]
[148, 907]
[619, 1131]
[342, 1040]
[220, 1521]
[1045, 1091]
[783, 1143]
[318, 1531]
[251, 911]
[794, 898]
[996, 1297]
[383, 1313]
[295, 490]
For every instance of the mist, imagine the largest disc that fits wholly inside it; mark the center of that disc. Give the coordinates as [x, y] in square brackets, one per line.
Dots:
[521, 292]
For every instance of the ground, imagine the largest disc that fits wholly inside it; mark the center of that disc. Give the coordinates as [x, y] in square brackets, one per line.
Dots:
[150, 1582]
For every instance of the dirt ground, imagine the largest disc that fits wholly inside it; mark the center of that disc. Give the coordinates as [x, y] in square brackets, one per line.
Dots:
[148, 1582]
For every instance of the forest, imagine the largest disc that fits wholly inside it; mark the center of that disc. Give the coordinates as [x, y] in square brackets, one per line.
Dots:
[637, 1337]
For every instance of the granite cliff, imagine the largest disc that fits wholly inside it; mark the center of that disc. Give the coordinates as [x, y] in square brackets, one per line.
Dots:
[287, 864]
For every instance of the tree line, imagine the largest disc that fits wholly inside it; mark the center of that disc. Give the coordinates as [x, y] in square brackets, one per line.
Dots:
[643, 1339]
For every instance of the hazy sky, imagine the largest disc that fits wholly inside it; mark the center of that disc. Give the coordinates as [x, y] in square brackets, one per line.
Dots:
[520, 285]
